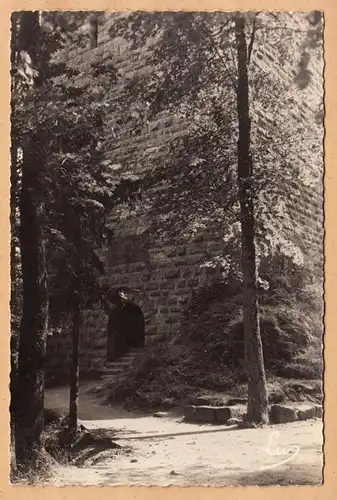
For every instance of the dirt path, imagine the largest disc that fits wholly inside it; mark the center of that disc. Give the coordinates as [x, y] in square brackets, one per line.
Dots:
[166, 451]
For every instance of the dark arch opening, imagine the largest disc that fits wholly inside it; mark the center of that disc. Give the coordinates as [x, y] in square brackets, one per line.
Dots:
[126, 330]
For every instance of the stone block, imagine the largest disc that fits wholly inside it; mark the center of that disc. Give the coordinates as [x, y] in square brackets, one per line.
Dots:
[172, 273]
[167, 285]
[223, 414]
[192, 282]
[205, 414]
[214, 247]
[189, 412]
[181, 251]
[319, 411]
[280, 414]
[186, 272]
[194, 248]
[307, 413]
[152, 286]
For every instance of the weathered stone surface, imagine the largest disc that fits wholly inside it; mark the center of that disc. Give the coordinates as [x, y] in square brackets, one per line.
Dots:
[205, 414]
[307, 413]
[280, 414]
[208, 413]
[223, 413]
[310, 412]
[180, 257]
[200, 413]
[189, 412]
[319, 411]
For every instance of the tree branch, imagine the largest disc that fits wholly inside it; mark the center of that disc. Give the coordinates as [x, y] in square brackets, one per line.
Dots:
[215, 46]
[251, 43]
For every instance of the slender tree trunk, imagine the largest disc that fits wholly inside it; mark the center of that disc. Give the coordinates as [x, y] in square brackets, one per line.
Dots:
[257, 410]
[29, 393]
[75, 370]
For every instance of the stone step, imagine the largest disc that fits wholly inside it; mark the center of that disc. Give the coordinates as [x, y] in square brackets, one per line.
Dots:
[132, 355]
[136, 350]
[129, 360]
[114, 369]
[117, 367]
[110, 377]
[119, 363]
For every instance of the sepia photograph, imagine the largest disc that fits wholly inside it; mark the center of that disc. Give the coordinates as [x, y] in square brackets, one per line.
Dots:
[167, 248]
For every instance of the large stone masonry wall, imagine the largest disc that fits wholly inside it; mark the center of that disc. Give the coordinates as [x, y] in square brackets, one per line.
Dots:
[164, 285]
[167, 273]
[302, 112]
[141, 148]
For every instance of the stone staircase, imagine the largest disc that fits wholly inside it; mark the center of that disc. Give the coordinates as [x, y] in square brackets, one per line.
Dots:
[115, 369]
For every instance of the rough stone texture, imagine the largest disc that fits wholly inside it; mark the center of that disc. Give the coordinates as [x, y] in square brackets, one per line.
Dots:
[168, 273]
[213, 414]
[282, 414]
[200, 413]
[310, 412]
[307, 413]
[205, 414]
[222, 414]
[189, 412]
[319, 411]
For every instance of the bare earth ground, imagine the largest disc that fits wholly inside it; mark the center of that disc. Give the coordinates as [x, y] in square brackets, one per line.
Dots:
[166, 451]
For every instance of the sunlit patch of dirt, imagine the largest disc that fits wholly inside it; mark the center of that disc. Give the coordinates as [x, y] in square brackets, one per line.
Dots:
[167, 451]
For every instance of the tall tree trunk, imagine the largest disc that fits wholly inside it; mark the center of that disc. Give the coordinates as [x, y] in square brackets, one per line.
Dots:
[29, 393]
[13, 259]
[75, 370]
[14, 299]
[33, 331]
[257, 410]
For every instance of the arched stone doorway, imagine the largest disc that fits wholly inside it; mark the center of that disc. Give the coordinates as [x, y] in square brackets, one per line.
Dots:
[126, 330]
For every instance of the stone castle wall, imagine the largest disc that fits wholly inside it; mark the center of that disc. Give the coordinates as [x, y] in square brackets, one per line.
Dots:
[167, 273]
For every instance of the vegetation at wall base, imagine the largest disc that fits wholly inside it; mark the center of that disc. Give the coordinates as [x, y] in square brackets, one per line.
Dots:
[208, 356]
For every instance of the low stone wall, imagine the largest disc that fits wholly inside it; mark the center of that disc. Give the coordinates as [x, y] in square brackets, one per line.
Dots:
[278, 414]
